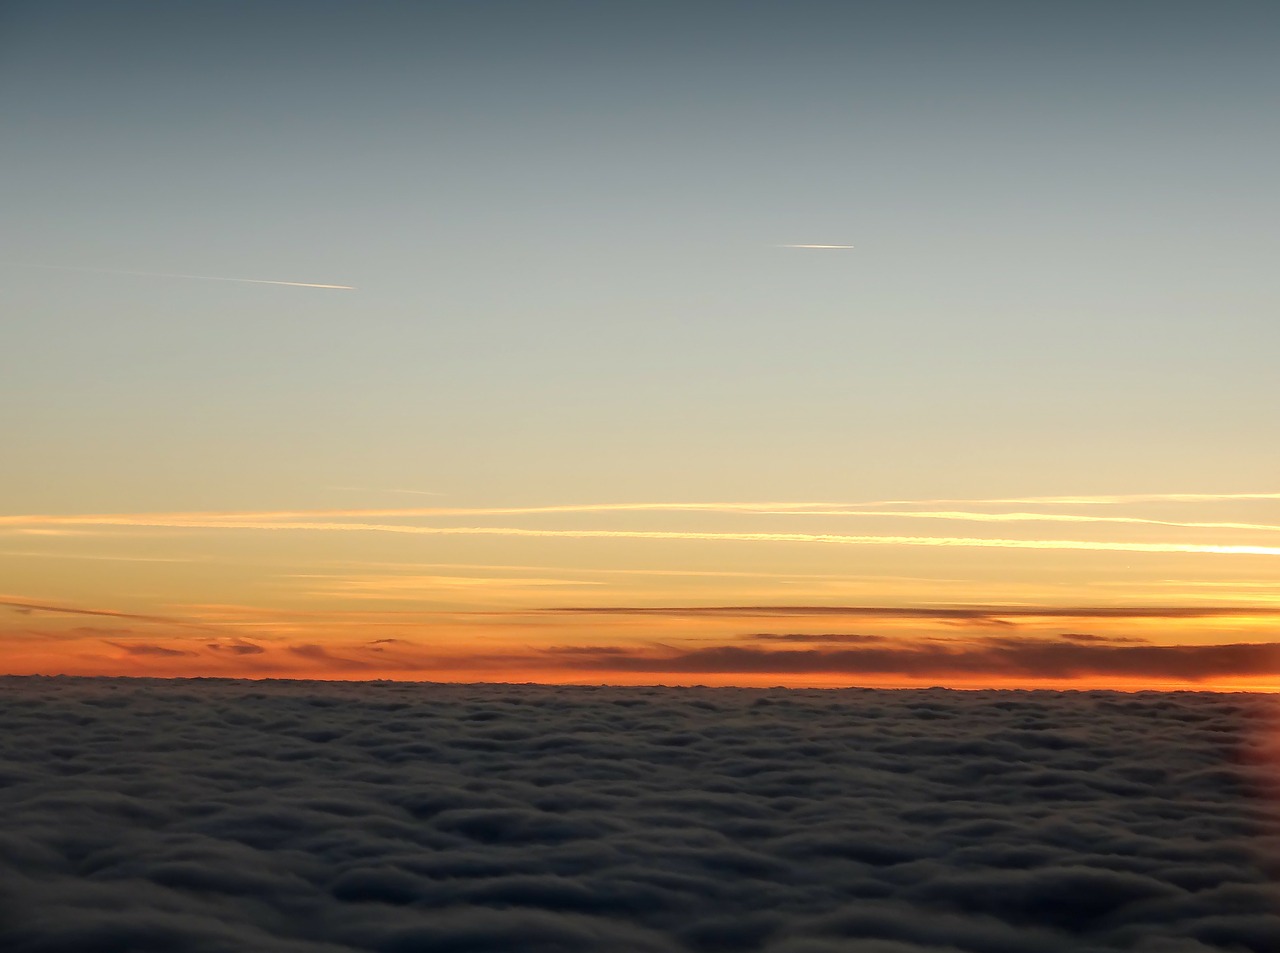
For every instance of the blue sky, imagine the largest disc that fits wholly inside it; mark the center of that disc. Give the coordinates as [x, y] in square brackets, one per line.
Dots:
[562, 222]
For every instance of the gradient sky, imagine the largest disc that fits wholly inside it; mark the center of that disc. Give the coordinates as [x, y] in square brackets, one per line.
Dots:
[564, 233]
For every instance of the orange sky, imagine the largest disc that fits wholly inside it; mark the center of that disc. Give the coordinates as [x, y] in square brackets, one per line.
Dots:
[1139, 591]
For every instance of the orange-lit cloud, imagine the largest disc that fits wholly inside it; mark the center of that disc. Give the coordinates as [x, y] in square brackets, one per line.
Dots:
[496, 619]
[1105, 499]
[176, 521]
[1139, 498]
[848, 658]
[372, 520]
[991, 614]
[144, 648]
[412, 586]
[803, 508]
[1030, 658]
[969, 516]
[236, 647]
[30, 607]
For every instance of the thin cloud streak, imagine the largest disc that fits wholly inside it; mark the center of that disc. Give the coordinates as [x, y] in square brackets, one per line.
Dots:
[1025, 658]
[25, 554]
[1101, 499]
[826, 538]
[264, 281]
[166, 274]
[1066, 657]
[28, 607]
[969, 516]
[598, 570]
[1121, 498]
[412, 511]
[383, 489]
[144, 648]
[789, 245]
[981, 613]
[763, 509]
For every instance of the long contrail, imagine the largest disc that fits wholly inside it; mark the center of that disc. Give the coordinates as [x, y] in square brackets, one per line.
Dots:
[167, 274]
[746, 509]
[829, 538]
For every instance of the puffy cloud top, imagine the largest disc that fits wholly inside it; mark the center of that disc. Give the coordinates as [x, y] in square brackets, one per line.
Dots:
[211, 816]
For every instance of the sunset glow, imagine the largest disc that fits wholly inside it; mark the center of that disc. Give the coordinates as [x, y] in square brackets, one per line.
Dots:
[689, 599]
[639, 476]
[829, 347]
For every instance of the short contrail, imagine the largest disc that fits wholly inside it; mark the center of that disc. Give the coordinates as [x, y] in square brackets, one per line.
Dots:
[815, 246]
[166, 274]
[255, 281]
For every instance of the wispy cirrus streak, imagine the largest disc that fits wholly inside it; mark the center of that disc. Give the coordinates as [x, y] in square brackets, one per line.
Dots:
[168, 274]
[228, 523]
[383, 489]
[1034, 658]
[983, 613]
[145, 648]
[25, 606]
[837, 638]
[968, 516]
[96, 557]
[616, 571]
[148, 519]
[1113, 498]
[187, 519]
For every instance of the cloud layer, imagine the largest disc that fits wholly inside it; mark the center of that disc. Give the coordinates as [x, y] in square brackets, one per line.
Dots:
[358, 521]
[1073, 656]
[1009, 656]
[219, 816]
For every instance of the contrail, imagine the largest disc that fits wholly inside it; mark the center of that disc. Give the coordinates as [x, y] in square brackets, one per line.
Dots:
[252, 281]
[830, 538]
[380, 489]
[28, 607]
[762, 509]
[167, 274]
[815, 246]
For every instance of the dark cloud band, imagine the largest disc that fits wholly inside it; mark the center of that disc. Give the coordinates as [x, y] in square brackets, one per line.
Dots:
[218, 816]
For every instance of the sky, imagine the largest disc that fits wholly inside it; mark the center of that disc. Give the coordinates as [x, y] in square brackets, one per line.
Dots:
[489, 341]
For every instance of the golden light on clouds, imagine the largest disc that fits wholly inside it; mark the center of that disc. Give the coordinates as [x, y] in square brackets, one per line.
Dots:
[438, 592]
[215, 521]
